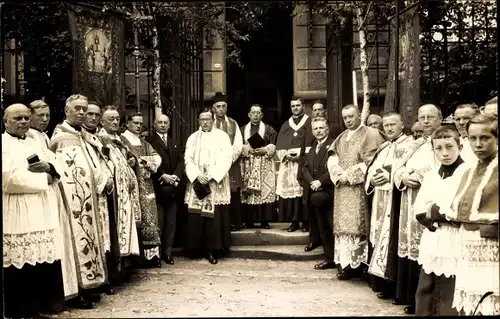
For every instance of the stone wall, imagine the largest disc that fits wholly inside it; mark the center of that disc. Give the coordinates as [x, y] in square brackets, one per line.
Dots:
[309, 55]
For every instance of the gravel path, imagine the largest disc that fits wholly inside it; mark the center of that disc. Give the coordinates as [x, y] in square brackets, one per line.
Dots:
[238, 287]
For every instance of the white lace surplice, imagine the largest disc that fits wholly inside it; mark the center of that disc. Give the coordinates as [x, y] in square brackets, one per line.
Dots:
[213, 151]
[350, 251]
[31, 232]
[410, 231]
[474, 279]
[439, 250]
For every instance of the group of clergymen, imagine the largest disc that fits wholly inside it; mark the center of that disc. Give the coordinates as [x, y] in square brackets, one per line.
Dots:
[416, 215]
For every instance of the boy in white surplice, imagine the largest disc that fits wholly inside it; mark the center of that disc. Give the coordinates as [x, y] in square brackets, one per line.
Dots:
[440, 244]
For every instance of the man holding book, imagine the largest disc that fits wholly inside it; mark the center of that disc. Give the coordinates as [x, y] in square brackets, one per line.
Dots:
[208, 158]
[258, 170]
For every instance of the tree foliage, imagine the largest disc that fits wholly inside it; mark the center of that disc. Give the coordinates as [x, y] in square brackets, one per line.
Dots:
[198, 16]
[43, 36]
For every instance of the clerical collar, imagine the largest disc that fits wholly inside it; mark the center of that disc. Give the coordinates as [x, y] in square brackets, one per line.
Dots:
[77, 128]
[396, 138]
[297, 119]
[90, 130]
[446, 171]
[16, 136]
[34, 128]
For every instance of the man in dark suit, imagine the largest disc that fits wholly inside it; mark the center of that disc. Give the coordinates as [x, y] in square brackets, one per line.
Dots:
[166, 181]
[318, 191]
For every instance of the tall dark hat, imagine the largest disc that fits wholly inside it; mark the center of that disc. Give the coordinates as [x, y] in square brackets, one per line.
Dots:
[219, 97]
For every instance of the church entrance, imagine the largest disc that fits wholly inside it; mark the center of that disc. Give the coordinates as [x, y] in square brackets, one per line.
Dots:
[267, 75]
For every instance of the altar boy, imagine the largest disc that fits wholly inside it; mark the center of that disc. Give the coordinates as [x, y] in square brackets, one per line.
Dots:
[440, 246]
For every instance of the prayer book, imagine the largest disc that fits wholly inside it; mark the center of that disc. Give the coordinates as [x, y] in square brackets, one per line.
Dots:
[256, 141]
[201, 190]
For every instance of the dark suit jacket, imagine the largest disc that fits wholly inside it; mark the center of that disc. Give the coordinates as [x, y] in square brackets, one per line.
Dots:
[172, 163]
[314, 168]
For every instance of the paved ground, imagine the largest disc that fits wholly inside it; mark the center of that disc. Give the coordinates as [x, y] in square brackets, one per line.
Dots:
[239, 287]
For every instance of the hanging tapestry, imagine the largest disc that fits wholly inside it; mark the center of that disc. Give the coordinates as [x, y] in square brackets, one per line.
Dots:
[98, 54]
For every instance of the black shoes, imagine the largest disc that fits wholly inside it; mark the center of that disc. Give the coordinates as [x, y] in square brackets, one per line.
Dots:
[344, 274]
[293, 227]
[168, 259]
[265, 225]
[108, 290]
[324, 265]
[305, 228]
[410, 310]
[211, 258]
[80, 303]
[310, 247]
[384, 295]
[156, 262]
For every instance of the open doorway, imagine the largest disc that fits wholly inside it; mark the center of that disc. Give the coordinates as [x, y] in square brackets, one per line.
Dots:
[267, 75]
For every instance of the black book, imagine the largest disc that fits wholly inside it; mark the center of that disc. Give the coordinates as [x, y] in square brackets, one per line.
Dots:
[256, 141]
[201, 190]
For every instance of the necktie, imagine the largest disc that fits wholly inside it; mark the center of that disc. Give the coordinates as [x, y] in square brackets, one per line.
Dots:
[318, 147]
[164, 138]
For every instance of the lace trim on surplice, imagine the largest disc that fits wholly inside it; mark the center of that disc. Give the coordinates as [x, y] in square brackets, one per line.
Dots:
[30, 248]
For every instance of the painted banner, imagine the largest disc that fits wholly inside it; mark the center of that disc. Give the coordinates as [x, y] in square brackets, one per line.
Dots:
[98, 54]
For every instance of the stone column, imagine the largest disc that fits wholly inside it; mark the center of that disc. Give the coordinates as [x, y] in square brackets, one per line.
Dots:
[214, 62]
[309, 55]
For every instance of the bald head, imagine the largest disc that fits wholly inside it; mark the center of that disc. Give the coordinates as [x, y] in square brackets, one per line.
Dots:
[162, 124]
[429, 117]
[491, 106]
[17, 119]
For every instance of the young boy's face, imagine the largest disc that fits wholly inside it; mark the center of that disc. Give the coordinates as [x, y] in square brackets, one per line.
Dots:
[447, 150]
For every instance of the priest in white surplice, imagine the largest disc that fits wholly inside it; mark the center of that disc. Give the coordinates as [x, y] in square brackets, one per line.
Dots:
[40, 117]
[230, 126]
[417, 160]
[208, 158]
[385, 206]
[32, 239]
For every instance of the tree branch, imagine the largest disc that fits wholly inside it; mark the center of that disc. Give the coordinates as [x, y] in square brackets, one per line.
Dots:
[366, 16]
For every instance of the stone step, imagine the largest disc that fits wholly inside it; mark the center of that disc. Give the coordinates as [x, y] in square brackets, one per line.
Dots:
[265, 252]
[275, 252]
[277, 235]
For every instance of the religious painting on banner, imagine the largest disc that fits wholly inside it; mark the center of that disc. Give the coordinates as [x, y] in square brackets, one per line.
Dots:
[98, 54]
